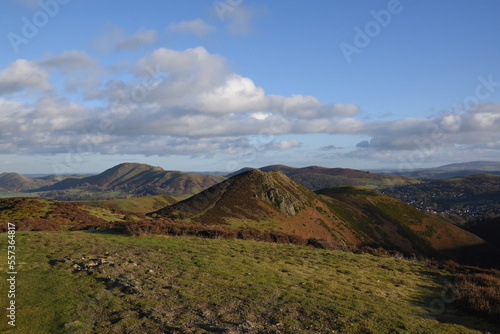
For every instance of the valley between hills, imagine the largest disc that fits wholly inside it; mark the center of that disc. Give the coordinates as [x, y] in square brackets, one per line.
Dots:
[270, 250]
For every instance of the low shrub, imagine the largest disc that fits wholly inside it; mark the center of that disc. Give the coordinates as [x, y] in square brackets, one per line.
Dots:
[479, 292]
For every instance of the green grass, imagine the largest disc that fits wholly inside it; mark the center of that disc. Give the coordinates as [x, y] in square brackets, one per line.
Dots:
[7, 194]
[104, 213]
[137, 204]
[161, 284]
[32, 207]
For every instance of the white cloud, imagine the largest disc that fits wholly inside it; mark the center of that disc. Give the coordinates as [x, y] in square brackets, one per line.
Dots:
[473, 134]
[81, 70]
[190, 60]
[21, 75]
[115, 38]
[180, 76]
[46, 126]
[261, 116]
[197, 27]
[70, 61]
[284, 145]
[191, 102]
[143, 37]
[236, 94]
[171, 94]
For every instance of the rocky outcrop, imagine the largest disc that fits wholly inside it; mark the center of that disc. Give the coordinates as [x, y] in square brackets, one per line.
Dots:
[281, 200]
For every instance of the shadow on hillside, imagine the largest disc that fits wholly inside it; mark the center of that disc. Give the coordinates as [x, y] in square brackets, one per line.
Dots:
[483, 256]
[439, 303]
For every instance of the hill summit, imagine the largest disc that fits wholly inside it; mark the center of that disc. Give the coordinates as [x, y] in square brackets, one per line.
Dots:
[139, 179]
[244, 196]
[15, 181]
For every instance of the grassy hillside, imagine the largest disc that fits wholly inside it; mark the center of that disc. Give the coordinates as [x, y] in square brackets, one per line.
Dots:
[386, 221]
[13, 184]
[45, 214]
[129, 179]
[83, 282]
[137, 204]
[265, 201]
[343, 216]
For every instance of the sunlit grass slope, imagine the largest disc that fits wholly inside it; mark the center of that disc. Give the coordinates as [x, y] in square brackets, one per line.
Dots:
[84, 282]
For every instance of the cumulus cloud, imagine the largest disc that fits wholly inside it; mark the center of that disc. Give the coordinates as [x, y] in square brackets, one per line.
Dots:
[170, 94]
[23, 75]
[45, 126]
[471, 134]
[191, 102]
[236, 94]
[196, 27]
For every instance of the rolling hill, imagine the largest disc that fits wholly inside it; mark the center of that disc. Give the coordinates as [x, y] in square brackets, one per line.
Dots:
[348, 216]
[315, 177]
[130, 179]
[390, 223]
[18, 182]
[450, 170]
[136, 204]
[14, 184]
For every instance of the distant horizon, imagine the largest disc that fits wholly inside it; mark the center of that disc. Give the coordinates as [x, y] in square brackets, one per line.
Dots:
[218, 172]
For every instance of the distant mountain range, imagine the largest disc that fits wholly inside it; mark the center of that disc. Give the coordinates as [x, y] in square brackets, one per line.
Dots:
[134, 179]
[451, 170]
[131, 179]
[316, 177]
[255, 202]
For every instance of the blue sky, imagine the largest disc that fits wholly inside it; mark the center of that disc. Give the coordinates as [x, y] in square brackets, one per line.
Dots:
[219, 85]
